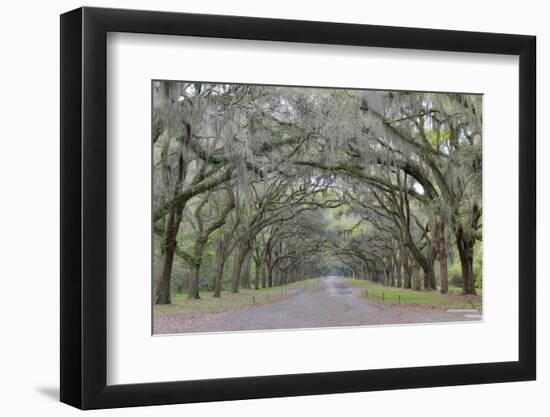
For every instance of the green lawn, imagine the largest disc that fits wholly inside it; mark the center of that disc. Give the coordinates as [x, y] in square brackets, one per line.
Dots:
[392, 295]
[230, 301]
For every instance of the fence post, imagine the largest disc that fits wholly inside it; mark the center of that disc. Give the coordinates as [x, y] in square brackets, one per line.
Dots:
[253, 300]
[399, 299]
[382, 296]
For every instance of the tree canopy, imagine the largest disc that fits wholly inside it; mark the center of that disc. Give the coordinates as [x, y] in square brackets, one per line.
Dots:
[264, 185]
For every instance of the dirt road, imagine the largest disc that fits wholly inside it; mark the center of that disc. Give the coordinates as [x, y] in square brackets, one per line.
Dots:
[332, 303]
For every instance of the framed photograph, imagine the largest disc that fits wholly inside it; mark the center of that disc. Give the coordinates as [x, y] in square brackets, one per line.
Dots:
[256, 208]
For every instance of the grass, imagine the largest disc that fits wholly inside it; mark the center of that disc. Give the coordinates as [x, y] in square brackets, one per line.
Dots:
[391, 295]
[230, 301]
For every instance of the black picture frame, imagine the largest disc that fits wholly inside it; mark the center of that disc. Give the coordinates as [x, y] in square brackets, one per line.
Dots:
[84, 207]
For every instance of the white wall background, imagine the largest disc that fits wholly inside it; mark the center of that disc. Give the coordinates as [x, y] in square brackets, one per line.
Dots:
[29, 219]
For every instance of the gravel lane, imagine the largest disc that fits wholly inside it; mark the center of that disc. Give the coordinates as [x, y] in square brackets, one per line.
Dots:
[332, 304]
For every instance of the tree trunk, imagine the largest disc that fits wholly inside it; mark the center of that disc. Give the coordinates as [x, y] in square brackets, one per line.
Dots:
[262, 274]
[443, 274]
[429, 278]
[442, 257]
[245, 277]
[162, 292]
[466, 253]
[285, 278]
[257, 266]
[399, 275]
[407, 270]
[236, 282]
[429, 271]
[219, 275]
[397, 269]
[276, 276]
[389, 281]
[193, 292]
[269, 276]
[415, 277]
[425, 262]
